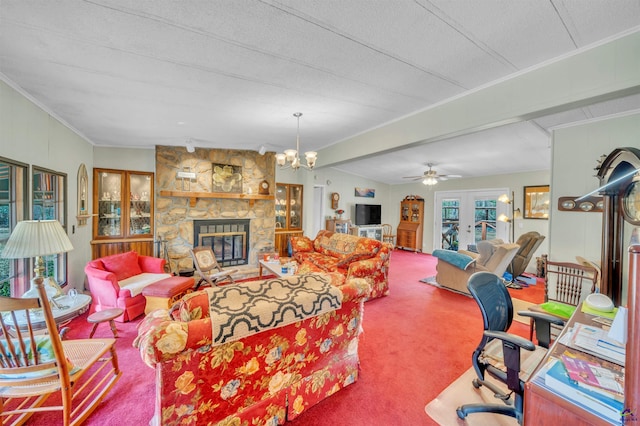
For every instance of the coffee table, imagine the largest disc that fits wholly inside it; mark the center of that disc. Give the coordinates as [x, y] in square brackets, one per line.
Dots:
[275, 267]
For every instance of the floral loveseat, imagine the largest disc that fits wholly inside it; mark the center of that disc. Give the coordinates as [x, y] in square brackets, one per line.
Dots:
[117, 281]
[262, 378]
[349, 255]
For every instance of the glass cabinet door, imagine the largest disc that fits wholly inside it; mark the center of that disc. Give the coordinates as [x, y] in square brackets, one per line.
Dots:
[139, 204]
[281, 206]
[110, 204]
[295, 206]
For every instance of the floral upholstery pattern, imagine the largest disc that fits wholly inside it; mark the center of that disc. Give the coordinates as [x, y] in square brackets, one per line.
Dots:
[262, 379]
[349, 255]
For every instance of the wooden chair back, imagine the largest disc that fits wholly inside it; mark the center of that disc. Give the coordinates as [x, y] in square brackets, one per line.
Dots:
[35, 366]
[20, 361]
[387, 234]
[569, 280]
[208, 267]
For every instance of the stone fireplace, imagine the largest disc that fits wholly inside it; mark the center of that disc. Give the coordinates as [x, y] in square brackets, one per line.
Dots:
[181, 205]
[228, 238]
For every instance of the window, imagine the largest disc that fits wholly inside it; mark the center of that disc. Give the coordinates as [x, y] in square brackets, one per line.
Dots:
[50, 202]
[14, 273]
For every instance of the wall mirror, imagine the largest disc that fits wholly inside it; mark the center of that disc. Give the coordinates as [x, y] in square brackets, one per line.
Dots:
[83, 196]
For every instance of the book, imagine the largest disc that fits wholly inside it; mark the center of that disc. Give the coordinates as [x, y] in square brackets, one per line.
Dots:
[596, 341]
[557, 379]
[594, 376]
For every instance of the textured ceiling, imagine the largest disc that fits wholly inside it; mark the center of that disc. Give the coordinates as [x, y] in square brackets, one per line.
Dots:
[230, 74]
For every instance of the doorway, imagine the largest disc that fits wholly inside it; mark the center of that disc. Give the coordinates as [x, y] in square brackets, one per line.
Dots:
[462, 218]
[318, 211]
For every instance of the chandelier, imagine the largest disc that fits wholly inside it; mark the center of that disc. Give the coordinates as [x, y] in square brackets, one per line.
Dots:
[291, 157]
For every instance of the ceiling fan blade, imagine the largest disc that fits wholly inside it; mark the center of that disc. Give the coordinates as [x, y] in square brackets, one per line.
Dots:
[412, 177]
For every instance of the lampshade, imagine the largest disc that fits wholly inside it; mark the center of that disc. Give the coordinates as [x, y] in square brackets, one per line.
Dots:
[503, 218]
[38, 238]
[504, 198]
[32, 238]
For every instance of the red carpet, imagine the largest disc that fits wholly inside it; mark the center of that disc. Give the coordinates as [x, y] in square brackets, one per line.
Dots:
[416, 341]
[532, 293]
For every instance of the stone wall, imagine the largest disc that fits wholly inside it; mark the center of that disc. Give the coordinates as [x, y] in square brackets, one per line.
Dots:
[174, 216]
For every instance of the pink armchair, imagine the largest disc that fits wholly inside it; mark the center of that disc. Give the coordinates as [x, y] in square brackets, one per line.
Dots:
[117, 281]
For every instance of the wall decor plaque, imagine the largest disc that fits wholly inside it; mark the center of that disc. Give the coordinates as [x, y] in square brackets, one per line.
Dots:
[226, 178]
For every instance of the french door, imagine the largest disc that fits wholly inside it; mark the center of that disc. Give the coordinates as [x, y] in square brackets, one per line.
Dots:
[462, 218]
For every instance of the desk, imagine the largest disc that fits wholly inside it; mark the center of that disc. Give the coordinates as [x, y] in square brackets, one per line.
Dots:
[69, 309]
[542, 407]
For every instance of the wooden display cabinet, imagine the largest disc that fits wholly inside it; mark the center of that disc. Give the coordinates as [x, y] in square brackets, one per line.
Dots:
[123, 208]
[410, 228]
[288, 215]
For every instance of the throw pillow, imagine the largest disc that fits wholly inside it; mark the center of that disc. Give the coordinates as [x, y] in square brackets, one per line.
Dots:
[301, 244]
[123, 265]
[44, 348]
[348, 259]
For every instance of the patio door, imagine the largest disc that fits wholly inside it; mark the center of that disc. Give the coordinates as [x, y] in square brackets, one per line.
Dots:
[462, 218]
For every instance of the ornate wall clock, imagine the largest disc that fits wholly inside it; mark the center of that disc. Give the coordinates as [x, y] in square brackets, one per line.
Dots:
[335, 197]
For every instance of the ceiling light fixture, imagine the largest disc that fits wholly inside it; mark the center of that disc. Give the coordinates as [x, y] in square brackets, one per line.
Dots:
[262, 150]
[292, 156]
[429, 181]
[190, 147]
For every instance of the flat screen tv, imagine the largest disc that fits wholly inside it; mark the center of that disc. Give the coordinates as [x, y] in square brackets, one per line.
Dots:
[368, 214]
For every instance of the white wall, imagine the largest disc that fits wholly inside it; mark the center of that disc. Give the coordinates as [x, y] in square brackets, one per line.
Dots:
[576, 151]
[30, 135]
[344, 184]
[515, 183]
[140, 160]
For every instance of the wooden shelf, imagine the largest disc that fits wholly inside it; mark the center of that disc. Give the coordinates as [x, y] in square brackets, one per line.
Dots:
[193, 196]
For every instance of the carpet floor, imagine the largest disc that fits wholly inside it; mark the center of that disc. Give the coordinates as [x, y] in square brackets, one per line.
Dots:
[460, 392]
[416, 342]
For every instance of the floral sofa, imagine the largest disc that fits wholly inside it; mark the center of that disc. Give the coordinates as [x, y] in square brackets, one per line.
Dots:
[117, 281]
[349, 255]
[263, 377]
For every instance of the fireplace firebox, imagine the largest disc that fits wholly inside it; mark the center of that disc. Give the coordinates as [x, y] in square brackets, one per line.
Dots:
[228, 238]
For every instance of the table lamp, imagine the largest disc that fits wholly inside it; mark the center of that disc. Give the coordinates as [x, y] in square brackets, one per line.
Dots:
[37, 238]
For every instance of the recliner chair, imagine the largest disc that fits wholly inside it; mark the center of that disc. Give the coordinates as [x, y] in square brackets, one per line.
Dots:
[499, 353]
[529, 243]
[454, 268]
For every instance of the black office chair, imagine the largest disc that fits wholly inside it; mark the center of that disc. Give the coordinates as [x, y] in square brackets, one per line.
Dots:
[497, 312]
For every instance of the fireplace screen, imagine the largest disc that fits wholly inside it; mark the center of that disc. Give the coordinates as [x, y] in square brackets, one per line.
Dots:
[229, 239]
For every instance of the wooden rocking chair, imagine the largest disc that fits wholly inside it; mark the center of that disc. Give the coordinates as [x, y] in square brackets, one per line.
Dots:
[208, 268]
[34, 367]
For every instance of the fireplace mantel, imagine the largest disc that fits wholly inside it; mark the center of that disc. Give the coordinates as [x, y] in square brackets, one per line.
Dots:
[193, 196]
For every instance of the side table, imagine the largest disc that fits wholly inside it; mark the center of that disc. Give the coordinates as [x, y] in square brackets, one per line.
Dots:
[69, 308]
[103, 316]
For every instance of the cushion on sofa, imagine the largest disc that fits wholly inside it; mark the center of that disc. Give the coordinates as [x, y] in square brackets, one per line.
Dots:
[137, 283]
[123, 265]
[486, 248]
[301, 244]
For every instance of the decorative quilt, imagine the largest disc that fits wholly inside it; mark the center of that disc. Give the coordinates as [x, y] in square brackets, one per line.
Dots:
[246, 308]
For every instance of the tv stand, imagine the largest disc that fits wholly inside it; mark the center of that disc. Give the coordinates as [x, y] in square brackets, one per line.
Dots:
[369, 231]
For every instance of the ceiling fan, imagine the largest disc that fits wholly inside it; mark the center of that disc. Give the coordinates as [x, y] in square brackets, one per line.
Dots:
[431, 177]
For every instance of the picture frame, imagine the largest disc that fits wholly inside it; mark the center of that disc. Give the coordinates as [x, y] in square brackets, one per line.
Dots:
[226, 178]
[365, 192]
[536, 202]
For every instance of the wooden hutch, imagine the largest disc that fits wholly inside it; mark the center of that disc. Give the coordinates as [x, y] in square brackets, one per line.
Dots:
[410, 229]
[288, 215]
[123, 212]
